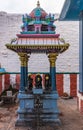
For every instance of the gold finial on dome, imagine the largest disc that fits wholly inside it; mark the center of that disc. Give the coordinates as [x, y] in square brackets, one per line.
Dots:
[38, 3]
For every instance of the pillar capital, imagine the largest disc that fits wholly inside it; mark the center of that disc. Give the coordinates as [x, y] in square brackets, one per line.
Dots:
[24, 57]
[52, 58]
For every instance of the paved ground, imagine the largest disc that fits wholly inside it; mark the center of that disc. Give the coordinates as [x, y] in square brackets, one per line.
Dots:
[70, 118]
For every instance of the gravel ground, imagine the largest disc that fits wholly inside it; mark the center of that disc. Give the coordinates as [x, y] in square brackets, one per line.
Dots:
[71, 118]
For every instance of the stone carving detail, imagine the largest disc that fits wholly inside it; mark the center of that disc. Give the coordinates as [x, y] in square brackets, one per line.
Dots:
[47, 82]
[38, 81]
[30, 82]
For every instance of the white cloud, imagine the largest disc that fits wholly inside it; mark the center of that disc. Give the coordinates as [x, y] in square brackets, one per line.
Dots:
[25, 6]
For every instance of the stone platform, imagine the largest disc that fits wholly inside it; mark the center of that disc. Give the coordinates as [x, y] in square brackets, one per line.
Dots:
[70, 117]
[37, 107]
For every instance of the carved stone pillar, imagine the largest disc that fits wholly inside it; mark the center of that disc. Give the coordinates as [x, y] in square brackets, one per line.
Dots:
[52, 59]
[24, 70]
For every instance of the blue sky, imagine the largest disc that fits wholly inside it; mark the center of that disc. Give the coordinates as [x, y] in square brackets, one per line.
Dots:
[26, 6]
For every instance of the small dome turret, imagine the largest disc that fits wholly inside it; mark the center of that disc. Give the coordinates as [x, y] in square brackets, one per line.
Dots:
[38, 21]
[38, 11]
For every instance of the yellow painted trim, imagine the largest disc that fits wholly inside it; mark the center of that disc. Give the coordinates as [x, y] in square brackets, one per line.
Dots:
[24, 59]
[39, 45]
[60, 48]
[52, 59]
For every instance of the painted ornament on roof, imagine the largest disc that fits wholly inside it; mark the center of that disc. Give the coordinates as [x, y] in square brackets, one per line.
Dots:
[38, 21]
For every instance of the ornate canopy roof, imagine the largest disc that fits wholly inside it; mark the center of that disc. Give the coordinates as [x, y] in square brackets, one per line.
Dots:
[38, 34]
[39, 48]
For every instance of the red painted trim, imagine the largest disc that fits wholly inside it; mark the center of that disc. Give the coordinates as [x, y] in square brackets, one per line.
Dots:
[38, 35]
[59, 84]
[17, 81]
[73, 85]
[7, 81]
[33, 77]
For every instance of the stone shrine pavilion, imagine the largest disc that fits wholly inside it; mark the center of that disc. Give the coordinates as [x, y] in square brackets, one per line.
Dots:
[38, 103]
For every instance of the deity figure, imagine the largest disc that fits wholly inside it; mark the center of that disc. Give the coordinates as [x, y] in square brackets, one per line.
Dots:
[30, 82]
[47, 82]
[38, 81]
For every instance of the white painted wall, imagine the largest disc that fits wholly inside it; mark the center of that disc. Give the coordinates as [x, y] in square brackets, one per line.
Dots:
[66, 62]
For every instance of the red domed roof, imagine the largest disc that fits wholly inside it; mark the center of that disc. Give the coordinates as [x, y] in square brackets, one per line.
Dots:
[38, 8]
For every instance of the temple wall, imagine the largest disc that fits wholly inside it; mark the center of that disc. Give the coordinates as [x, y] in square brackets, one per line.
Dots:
[66, 62]
[9, 27]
